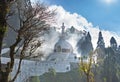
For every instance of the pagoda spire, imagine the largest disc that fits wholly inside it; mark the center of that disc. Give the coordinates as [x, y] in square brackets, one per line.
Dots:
[63, 28]
[63, 31]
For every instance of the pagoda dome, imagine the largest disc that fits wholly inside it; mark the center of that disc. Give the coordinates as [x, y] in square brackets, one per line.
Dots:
[63, 46]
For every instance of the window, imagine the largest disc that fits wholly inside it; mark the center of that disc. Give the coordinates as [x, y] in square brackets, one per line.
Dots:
[67, 68]
[65, 50]
[53, 59]
[75, 57]
[58, 49]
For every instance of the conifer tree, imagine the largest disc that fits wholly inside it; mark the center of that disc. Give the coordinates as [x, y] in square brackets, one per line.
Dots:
[100, 42]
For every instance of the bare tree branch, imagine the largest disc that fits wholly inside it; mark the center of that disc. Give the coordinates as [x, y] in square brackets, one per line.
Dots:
[33, 22]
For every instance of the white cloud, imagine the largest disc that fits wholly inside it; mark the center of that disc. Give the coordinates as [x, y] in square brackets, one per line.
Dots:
[80, 23]
[69, 19]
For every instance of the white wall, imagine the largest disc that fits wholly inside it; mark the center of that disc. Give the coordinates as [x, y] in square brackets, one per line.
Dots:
[36, 68]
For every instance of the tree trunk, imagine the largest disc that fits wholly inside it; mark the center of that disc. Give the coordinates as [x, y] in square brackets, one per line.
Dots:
[1, 39]
[4, 76]
[3, 12]
[3, 24]
[88, 80]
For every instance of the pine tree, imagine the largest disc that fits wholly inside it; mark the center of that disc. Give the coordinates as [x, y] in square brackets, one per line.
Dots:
[110, 66]
[88, 37]
[72, 29]
[100, 43]
[85, 45]
[113, 43]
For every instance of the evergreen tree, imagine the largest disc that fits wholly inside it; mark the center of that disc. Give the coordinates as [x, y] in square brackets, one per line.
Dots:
[109, 66]
[100, 43]
[85, 45]
[100, 48]
[88, 37]
[113, 43]
[72, 29]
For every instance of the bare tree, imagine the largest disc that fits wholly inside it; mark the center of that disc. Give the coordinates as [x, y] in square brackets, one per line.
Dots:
[34, 20]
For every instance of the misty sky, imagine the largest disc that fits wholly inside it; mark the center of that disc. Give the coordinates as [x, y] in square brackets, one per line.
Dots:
[102, 13]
